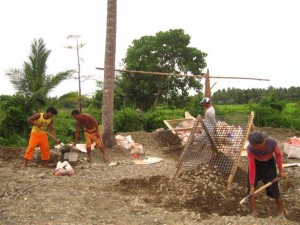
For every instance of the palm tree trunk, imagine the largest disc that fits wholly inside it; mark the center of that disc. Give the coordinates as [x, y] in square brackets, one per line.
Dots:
[109, 74]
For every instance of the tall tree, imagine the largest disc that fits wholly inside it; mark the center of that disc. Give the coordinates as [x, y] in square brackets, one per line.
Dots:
[166, 52]
[32, 81]
[109, 73]
[78, 47]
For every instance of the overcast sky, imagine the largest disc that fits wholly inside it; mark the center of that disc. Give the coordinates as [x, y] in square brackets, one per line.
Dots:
[243, 38]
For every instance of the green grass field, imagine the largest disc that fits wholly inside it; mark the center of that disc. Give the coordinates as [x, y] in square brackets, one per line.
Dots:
[289, 108]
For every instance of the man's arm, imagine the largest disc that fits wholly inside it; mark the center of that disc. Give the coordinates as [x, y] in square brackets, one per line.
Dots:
[252, 171]
[33, 120]
[76, 134]
[278, 156]
[51, 129]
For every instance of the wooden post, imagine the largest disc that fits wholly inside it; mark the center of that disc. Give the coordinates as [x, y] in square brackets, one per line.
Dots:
[234, 168]
[207, 85]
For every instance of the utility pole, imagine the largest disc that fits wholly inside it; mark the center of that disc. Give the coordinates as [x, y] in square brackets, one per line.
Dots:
[77, 47]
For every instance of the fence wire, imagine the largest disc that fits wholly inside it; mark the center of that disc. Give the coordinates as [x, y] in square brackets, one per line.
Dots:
[219, 145]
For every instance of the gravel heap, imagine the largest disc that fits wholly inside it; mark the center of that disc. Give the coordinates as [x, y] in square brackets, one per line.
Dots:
[127, 193]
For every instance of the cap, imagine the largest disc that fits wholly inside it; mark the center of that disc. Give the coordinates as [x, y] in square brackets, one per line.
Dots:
[205, 100]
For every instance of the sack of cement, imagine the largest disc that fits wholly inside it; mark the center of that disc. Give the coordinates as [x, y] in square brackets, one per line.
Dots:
[63, 169]
[136, 148]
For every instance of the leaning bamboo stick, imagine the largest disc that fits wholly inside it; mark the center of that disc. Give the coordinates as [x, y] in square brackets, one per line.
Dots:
[185, 75]
[235, 165]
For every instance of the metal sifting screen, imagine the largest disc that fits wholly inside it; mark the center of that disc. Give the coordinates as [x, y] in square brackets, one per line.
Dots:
[219, 144]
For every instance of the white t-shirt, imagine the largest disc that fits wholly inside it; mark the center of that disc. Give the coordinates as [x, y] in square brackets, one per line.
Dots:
[210, 120]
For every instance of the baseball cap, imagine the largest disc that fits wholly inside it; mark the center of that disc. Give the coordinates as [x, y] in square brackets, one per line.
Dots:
[205, 100]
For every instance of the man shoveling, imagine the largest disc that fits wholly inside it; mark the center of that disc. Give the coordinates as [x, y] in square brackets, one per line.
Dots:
[263, 155]
[91, 132]
[38, 136]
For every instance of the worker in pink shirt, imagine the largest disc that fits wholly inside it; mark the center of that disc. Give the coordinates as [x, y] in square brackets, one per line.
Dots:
[263, 155]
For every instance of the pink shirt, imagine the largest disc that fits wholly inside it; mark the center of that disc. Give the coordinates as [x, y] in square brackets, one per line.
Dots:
[265, 157]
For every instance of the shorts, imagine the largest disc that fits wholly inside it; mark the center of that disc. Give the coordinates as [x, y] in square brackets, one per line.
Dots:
[93, 136]
[266, 171]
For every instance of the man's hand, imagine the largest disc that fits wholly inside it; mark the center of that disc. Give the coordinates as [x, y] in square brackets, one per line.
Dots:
[252, 189]
[39, 125]
[282, 174]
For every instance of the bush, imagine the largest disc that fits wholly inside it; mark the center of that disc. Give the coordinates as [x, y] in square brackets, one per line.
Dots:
[154, 118]
[64, 126]
[14, 113]
[268, 116]
[14, 140]
[127, 119]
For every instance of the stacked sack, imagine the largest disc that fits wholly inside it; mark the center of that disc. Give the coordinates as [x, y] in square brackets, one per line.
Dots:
[136, 149]
[292, 148]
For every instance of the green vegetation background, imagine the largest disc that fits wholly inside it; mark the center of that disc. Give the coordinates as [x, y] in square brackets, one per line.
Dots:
[140, 102]
[15, 130]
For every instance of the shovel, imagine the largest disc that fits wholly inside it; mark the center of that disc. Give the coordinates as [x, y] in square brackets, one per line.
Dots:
[61, 144]
[261, 188]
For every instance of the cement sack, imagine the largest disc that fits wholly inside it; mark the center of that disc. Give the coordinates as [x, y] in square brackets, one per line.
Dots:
[64, 169]
[294, 152]
[124, 141]
[292, 148]
[136, 148]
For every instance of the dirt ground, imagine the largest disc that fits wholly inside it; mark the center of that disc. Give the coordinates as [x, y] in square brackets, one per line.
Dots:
[128, 193]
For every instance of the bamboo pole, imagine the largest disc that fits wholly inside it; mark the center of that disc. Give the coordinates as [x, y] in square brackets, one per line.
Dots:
[186, 75]
[236, 163]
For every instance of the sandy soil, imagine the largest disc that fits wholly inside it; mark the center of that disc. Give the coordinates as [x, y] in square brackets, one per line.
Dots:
[127, 193]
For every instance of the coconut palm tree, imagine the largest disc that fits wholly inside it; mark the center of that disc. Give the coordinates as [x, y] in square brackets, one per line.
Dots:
[32, 81]
[109, 73]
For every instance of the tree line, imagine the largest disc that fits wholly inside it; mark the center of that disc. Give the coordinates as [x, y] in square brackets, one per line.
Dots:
[255, 95]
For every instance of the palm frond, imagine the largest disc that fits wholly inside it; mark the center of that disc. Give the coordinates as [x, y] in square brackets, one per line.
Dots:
[32, 80]
[52, 81]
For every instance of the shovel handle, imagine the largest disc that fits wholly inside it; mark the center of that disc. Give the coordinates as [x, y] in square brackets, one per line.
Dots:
[261, 188]
[52, 136]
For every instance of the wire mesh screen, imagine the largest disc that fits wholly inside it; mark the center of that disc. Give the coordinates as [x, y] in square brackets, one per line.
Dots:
[218, 144]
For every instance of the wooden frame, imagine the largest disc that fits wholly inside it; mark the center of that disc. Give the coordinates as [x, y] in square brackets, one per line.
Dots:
[170, 124]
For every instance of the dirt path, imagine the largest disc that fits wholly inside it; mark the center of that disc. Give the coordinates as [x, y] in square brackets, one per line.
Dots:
[136, 194]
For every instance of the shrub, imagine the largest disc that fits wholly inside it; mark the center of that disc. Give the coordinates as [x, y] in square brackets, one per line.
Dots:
[127, 119]
[14, 113]
[154, 118]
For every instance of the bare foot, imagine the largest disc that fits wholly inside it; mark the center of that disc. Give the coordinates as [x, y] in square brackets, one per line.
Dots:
[254, 214]
[23, 167]
[49, 165]
[281, 216]
[105, 160]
